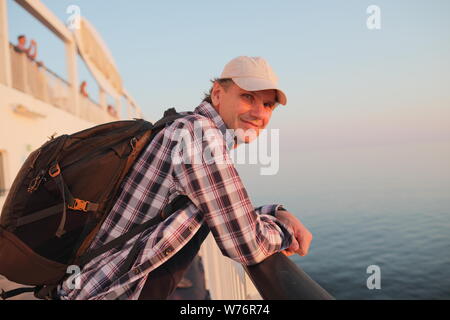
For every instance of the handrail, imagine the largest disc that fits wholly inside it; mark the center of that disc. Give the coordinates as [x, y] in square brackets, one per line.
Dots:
[40, 64]
[92, 100]
[53, 73]
[34, 78]
[278, 278]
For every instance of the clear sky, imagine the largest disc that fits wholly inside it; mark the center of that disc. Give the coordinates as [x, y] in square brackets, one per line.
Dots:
[346, 85]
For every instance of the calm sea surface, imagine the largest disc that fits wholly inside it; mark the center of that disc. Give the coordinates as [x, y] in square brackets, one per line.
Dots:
[387, 206]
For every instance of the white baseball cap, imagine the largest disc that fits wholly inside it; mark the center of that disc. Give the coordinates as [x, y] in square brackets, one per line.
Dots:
[253, 74]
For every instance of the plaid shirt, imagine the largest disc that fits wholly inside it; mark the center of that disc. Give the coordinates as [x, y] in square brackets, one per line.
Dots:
[218, 199]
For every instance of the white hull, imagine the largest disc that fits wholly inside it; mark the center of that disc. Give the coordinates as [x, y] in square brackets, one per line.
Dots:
[25, 124]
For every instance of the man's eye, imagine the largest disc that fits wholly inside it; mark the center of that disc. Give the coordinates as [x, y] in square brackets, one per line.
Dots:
[269, 105]
[247, 96]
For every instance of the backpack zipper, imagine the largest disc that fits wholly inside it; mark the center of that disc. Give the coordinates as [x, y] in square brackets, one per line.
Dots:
[36, 182]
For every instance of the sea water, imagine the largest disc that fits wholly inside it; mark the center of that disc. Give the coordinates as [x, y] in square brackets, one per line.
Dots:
[385, 206]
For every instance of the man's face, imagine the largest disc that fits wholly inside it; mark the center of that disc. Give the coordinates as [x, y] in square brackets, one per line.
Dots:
[22, 41]
[247, 110]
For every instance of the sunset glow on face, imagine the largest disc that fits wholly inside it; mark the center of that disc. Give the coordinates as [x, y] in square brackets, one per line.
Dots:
[249, 111]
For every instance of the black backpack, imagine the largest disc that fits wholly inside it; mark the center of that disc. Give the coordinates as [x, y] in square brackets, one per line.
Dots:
[62, 195]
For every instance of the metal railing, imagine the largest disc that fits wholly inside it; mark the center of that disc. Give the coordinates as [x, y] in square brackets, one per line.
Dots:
[33, 78]
[276, 278]
[224, 278]
[93, 112]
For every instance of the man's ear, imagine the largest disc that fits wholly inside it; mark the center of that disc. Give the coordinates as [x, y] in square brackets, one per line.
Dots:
[216, 94]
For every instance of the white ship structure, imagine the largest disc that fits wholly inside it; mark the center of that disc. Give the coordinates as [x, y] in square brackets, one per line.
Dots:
[36, 103]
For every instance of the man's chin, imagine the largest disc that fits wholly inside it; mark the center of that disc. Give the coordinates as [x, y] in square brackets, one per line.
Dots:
[249, 139]
[246, 138]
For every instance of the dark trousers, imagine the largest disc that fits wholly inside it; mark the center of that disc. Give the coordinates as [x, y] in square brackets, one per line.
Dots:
[163, 281]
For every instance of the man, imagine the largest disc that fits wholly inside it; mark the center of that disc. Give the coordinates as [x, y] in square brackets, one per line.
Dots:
[31, 51]
[243, 98]
[83, 90]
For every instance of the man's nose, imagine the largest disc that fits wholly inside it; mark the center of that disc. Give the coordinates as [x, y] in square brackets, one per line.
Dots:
[258, 110]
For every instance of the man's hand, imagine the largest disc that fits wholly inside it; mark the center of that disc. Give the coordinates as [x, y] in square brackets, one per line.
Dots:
[302, 237]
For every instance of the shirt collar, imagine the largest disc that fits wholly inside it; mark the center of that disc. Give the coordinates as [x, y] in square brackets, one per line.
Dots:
[207, 110]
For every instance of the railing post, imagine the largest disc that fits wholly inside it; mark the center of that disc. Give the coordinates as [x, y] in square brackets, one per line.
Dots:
[71, 60]
[118, 107]
[103, 104]
[24, 83]
[5, 58]
[102, 99]
[129, 115]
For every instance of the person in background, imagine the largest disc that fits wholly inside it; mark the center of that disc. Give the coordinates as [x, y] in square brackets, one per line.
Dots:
[31, 51]
[83, 91]
[112, 111]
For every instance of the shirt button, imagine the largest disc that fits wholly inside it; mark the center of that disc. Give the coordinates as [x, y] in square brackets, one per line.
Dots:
[136, 271]
[168, 251]
[191, 228]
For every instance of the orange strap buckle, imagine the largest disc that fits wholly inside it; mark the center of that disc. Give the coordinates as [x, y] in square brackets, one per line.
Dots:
[54, 171]
[79, 205]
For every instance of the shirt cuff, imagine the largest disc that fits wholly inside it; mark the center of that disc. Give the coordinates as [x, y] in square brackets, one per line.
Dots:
[270, 209]
[287, 232]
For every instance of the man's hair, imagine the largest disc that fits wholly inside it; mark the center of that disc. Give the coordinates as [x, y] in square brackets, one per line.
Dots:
[21, 36]
[224, 83]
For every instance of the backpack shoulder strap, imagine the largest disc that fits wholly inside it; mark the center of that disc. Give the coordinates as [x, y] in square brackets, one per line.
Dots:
[170, 115]
[177, 203]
